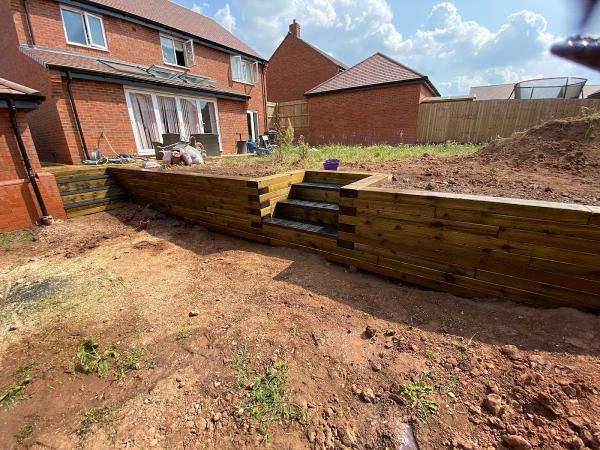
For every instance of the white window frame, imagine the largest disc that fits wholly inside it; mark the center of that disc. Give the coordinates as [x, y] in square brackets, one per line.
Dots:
[255, 133]
[189, 43]
[154, 94]
[237, 62]
[86, 29]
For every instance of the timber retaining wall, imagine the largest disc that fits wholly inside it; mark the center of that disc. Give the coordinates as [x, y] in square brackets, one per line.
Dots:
[537, 252]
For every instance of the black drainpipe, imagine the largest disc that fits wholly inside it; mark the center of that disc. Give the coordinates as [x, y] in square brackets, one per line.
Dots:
[12, 111]
[28, 20]
[77, 121]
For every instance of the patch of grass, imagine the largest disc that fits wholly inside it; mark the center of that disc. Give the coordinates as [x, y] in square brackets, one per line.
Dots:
[183, 335]
[16, 391]
[269, 399]
[134, 360]
[91, 360]
[241, 364]
[5, 240]
[290, 157]
[103, 418]
[417, 395]
[25, 431]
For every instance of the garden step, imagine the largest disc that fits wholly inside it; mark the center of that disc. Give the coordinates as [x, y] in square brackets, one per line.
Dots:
[325, 230]
[318, 192]
[307, 210]
[94, 202]
[320, 186]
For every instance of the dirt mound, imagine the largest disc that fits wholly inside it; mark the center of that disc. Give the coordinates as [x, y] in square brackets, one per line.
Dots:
[567, 145]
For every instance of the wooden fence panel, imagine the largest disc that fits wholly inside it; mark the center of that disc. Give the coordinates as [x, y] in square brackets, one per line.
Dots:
[295, 112]
[482, 121]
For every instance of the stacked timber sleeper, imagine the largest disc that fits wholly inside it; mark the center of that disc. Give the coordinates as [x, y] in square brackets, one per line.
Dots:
[87, 190]
[312, 206]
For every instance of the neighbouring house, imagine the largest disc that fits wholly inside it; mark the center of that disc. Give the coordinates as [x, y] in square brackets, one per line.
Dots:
[118, 74]
[374, 102]
[19, 206]
[297, 66]
[506, 91]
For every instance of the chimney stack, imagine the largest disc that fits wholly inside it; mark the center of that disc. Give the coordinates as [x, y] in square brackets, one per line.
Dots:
[295, 28]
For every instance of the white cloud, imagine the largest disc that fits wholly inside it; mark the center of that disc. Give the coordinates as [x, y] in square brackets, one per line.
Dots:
[197, 8]
[455, 52]
[225, 18]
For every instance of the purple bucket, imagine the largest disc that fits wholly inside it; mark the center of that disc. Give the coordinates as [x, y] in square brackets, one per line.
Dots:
[331, 164]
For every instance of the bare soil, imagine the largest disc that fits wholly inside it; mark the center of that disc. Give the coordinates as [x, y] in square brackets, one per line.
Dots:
[500, 375]
[558, 161]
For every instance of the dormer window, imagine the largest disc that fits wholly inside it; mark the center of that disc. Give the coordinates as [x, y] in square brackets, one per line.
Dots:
[84, 29]
[243, 70]
[177, 52]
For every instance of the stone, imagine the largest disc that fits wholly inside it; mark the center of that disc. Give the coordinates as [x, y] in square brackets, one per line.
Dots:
[516, 442]
[397, 399]
[511, 352]
[493, 403]
[194, 313]
[375, 366]
[13, 327]
[347, 436]
[368, 395]
[370, 332]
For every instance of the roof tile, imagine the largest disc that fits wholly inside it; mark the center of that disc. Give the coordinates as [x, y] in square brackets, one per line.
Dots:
[172, 15]
[11, 88]
[377, 69]
[49, 57]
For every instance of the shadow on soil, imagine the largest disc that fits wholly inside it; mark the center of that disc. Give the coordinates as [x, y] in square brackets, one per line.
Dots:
[497, 322]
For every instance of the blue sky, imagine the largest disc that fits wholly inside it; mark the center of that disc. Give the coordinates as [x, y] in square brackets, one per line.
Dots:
[458, 43]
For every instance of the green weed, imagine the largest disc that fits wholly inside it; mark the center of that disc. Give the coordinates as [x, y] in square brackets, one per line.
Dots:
[91, 360]
[16, 391]
[269, 399]
[25, 431]
[103, 418]
[241, 364]
[5, 240]
[417, 395]
[182, 335]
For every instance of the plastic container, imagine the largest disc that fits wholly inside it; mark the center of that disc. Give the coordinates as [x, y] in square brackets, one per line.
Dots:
[250, 146]
[331, 164]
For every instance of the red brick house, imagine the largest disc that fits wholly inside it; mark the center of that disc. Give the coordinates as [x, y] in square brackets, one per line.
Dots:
[20, 205]
[297, 66]
[374, 102]
[120, 73]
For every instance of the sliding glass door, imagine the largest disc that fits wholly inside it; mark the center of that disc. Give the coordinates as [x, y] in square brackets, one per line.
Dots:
[154, 114]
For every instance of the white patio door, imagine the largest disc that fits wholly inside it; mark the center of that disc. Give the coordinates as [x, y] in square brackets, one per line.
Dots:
[154, 114]
[253, 129]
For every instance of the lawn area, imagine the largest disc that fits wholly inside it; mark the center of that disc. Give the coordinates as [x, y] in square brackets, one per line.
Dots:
[295, 157]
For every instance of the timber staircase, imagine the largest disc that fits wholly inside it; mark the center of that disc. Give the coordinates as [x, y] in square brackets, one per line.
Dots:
[87, 190]
[312, 208]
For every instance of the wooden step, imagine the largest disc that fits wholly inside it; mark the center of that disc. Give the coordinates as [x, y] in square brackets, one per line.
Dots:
[318, 192]
[78, 178]
[94, 202]
[307, 210]
[325, 230]
[93, 209]
[91, 194]
[74, 186]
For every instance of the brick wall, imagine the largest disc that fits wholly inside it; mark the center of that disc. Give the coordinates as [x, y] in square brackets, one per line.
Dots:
[18, 206]
[386, 115]
[295, 68]
[53, 125]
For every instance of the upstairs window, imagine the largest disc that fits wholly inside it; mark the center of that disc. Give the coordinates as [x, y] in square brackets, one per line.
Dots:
[243, 70]
[83, 28]
[176, 52]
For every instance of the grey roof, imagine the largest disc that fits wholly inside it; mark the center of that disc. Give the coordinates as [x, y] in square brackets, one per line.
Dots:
[93, 64]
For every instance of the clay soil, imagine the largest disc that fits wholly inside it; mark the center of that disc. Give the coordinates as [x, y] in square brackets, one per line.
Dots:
[367, 359]
[558, 161]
